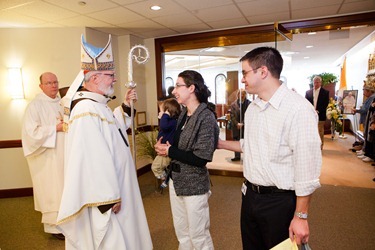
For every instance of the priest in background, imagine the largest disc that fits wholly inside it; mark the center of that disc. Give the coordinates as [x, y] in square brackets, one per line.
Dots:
[43, 147]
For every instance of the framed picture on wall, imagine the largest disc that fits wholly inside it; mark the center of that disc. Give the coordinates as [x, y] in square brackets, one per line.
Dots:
[349, 101]
[141, 118]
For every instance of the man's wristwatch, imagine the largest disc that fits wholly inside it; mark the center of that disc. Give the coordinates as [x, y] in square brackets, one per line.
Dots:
[301, 215]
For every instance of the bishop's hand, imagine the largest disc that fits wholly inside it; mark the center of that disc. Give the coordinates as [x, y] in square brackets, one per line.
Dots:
[130, 95]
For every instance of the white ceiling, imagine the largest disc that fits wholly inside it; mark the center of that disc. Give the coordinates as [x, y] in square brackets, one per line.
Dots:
[124, 17]
[325, 48]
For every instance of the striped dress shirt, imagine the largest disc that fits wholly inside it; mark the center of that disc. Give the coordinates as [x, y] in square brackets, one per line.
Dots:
[281, 143]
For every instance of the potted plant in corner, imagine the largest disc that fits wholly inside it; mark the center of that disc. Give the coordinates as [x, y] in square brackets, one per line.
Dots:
[145, 144]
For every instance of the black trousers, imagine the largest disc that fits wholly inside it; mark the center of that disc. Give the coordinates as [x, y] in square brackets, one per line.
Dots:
[265, 219]
[237, 138]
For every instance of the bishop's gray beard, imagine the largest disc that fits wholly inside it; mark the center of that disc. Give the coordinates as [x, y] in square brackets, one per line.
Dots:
[107, 90]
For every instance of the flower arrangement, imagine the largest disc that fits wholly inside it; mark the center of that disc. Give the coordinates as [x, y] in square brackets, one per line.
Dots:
[334, 114]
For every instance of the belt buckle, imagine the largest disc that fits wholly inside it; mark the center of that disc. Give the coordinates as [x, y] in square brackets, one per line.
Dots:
[255, 188]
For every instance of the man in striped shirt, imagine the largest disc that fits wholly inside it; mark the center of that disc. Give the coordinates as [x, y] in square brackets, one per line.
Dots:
[282, 156]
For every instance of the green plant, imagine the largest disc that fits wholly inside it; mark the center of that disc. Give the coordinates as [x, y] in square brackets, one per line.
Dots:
[145, 144]
[327, 78]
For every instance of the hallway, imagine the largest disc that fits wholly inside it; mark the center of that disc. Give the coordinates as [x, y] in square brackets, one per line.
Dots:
[341, 167]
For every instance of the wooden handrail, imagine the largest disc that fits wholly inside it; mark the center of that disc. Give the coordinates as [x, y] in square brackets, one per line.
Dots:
[11, 144]
[18, 143]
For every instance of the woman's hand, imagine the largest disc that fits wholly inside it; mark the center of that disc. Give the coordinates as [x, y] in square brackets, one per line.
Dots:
[162, 148]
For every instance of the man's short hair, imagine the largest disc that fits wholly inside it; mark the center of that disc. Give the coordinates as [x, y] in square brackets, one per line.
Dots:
[265, 56]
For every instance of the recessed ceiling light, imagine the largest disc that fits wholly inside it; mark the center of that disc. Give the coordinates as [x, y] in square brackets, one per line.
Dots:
[306, 57]
[288, 53]
[214, 49]
[155, 7]
[309, 46]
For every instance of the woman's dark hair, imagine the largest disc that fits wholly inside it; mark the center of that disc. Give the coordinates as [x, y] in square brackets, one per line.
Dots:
[192, 77]
[265, 56]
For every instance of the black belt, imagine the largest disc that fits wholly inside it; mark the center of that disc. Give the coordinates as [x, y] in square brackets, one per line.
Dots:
[265, 189]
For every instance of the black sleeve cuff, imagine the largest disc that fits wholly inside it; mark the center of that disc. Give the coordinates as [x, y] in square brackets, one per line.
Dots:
[127, 109]
[186, 157]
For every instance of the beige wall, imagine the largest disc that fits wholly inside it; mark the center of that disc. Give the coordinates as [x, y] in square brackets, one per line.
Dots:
[356, 71]
[150, 95]
[57, 50]
[35, 51]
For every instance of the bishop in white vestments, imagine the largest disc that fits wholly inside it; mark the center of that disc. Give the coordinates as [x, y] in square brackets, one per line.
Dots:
[101, 206]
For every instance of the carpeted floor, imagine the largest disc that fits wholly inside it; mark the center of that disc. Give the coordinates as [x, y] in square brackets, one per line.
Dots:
[341, 214]
[340, 218]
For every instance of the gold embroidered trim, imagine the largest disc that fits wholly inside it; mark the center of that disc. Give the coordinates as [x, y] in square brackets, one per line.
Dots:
[96, 204]
[65, 127]
[100, 65]
[66, 111]
[90, 114]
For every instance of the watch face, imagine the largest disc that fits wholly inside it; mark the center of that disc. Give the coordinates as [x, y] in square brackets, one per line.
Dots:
[301, 215]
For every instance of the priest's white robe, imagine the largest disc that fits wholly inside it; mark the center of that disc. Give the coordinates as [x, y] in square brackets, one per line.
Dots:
[43, 148]
[99, 170]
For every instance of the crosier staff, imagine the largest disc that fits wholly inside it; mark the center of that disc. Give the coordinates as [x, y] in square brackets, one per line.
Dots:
[141, 58]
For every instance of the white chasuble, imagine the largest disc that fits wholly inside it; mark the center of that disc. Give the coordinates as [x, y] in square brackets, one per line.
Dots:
[99, 170]
[44, 149]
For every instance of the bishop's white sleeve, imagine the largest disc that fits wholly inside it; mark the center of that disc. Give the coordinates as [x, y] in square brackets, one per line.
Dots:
[123, 119]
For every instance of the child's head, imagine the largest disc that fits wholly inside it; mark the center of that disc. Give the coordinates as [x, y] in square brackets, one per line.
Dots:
[161, 106]
[172, 106]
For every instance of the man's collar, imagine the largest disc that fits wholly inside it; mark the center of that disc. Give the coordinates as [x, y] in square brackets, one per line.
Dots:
[317, 89]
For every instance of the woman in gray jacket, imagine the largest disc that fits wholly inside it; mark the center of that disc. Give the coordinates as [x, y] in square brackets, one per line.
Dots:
[194, 145]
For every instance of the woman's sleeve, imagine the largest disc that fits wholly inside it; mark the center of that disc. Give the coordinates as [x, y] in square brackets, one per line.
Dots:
[187, 157]
[204, 146]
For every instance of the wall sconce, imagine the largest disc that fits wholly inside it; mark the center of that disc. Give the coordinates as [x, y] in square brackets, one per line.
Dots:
[16, 83]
